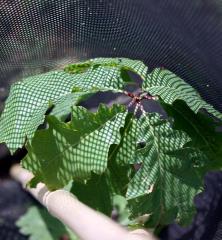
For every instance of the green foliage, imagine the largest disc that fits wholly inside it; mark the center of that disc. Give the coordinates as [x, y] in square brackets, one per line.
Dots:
[156, 166]
[29, 99]
[170, 87]
[201, 129]
[89, 191]
[120, 205]
[38, 224]
[169, 176]
[118, 65]
[27, 103]
[72, 150]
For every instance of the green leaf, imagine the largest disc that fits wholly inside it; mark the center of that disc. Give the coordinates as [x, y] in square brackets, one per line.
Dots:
[117, 175]
[29, 99]
[64, 104]
[99, 192]
[120, 64]
[73, 150]
[121, 207]
[95, 193]
[163, 83]
[78, 67]
[169, 176]
[27, 103]
[128, 145]
[201, 128]
[105, 74]
[119, 172]
[38, 224]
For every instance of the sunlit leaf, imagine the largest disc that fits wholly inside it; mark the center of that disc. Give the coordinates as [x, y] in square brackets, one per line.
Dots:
[72, 150]
[163, 83]
[168, 178]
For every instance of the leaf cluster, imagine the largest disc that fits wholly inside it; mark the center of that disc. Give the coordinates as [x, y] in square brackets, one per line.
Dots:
[156, 164]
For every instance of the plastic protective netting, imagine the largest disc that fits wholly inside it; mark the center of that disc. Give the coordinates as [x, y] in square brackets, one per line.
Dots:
[182, 35]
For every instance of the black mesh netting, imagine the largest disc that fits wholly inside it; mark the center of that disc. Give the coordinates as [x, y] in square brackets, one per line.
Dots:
[182, 35]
